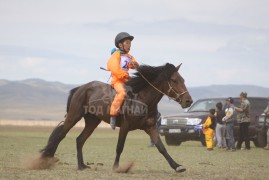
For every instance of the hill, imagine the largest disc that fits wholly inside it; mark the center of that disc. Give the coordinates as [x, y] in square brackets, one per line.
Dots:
[33, 99]
[38, 99]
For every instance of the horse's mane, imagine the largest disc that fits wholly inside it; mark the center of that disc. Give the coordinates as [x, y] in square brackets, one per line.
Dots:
[151, 73]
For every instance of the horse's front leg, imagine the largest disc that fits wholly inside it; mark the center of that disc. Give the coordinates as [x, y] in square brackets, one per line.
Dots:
[120, 145]
[154, 135]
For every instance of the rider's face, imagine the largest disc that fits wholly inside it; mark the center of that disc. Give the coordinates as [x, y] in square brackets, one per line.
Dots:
[126, 45]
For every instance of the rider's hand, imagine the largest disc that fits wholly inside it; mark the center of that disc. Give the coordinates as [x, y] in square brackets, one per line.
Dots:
[125, 76]
[133, 65]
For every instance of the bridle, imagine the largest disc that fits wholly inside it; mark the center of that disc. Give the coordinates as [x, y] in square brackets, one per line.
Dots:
[177, 94]
[170, 89]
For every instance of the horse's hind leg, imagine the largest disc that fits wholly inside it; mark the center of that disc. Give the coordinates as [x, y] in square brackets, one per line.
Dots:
[91, 122]
[59, 134]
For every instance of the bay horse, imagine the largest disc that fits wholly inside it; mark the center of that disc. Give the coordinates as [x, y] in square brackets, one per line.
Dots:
[92, 101]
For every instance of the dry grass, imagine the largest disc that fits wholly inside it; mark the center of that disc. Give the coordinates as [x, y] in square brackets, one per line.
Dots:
[19, 144]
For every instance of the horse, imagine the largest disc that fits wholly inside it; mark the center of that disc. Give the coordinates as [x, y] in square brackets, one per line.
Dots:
[92, 101]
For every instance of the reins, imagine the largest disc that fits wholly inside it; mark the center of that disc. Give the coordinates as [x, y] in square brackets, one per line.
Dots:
[170, 89]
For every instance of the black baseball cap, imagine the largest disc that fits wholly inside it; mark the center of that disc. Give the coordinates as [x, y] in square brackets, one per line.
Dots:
[230, 99]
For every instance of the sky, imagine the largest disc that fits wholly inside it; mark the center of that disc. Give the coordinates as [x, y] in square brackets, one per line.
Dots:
[218, 42]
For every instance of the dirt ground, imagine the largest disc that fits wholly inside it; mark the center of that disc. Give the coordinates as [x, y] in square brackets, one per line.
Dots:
[20, 144]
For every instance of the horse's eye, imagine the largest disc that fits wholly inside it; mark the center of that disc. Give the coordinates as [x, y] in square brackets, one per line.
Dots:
[174, 81]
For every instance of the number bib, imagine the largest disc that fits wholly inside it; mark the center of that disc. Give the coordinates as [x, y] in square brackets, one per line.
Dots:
[124, 61]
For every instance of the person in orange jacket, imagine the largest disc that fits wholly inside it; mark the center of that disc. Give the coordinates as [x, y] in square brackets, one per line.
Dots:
[208, 129]
[119, 64]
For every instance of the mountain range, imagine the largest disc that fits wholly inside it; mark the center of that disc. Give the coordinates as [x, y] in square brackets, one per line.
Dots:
[37, 99]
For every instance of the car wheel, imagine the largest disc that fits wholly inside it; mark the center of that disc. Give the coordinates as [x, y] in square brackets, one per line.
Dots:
[172, 141]
[260, 140]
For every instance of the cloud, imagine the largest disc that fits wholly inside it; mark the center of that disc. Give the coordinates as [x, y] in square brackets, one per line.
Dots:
[255, 43]
[69, 42]
[37, 51]
[225, 12]
[33, 64]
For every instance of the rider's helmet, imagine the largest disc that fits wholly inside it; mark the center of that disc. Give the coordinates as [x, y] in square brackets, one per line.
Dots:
[121, 36]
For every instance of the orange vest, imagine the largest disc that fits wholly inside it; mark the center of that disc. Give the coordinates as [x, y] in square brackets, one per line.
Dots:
[119, 70]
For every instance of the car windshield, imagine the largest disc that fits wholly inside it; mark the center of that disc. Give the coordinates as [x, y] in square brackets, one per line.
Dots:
[205, 105]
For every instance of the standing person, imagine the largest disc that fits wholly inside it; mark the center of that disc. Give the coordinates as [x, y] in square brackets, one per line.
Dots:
[119, 64]
[220, 128]
[208, 129]
[244, 120]
[228, 119]
[266, 112]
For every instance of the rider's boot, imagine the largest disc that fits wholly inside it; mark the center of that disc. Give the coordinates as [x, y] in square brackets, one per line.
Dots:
[113, 120]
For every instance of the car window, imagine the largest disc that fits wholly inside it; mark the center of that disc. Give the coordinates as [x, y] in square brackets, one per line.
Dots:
[205, 105]
[258, 104]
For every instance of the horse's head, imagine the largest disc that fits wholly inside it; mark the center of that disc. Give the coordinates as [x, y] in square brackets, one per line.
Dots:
[177, 90]
[164, 79]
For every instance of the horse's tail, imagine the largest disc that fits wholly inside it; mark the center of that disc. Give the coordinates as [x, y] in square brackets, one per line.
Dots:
[53, 141]
[71, 93]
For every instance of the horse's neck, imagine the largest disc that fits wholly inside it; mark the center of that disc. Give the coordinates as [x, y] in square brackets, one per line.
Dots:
[150, 96]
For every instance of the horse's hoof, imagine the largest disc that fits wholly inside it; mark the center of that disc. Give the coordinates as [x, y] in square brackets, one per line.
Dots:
[124, 168]
[82, 167]
[115, 166]
[180, 169]
[55, 159]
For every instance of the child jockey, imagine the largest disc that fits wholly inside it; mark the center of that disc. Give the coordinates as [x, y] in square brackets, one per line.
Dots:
[119, 64]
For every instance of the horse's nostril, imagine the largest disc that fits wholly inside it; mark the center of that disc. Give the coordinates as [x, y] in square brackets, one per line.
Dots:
[189, 102]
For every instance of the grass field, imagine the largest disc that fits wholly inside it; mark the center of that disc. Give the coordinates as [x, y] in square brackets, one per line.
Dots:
[19, 144]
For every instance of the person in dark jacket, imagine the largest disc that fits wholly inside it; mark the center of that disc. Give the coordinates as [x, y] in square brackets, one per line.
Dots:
[266, 113]
[220, 128]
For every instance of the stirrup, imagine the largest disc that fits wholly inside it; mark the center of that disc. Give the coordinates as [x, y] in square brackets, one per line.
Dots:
[113, 120]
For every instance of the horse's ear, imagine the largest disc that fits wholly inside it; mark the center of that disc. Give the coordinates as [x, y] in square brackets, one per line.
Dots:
[177, 68]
